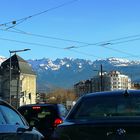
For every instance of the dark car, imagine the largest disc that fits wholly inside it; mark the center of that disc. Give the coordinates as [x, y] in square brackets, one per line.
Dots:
[14, 127]
[47, 116]
[113, 115]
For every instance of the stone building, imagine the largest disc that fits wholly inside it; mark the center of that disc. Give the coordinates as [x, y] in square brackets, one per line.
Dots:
[18, 85]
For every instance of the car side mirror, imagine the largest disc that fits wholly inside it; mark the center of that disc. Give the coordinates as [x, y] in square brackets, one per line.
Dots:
[22, 130]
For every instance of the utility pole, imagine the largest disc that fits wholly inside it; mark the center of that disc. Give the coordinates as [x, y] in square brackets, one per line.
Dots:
[101, 80]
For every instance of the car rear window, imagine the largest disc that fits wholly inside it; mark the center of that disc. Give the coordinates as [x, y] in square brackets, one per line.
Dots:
[37, 112]
[101, 107]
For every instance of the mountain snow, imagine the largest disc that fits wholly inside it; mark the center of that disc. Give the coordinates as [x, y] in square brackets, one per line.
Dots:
[67, 71]
[2, 58]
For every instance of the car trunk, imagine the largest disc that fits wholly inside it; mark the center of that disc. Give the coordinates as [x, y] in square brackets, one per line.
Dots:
[102, 131]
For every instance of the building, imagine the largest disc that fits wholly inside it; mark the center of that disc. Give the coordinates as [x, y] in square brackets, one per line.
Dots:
[119, 81]
[113, 80]
[135, 85]
[17, 82]
[101, 82]
[83, 87]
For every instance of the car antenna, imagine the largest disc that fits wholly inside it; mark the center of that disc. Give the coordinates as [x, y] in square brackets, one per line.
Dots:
[126, 93]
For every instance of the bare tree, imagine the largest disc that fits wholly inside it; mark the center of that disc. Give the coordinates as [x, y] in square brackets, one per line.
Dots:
[61, 96]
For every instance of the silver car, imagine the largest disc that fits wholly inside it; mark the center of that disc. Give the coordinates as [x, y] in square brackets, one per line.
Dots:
[14, 127]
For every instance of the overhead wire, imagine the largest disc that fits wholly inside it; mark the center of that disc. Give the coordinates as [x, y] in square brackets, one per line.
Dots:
[104, 43]
[31, 43]
[120, 51]
[101, 43]
[84, 53]
[15, 22]
[109, 42]
[55, 47]
[44, 45]
[18, 31]
[130, 40]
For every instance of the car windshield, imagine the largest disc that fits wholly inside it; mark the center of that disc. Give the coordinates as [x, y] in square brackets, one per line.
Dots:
[99, 107]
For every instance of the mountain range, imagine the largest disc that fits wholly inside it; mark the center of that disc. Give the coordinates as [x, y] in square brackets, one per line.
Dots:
[64, 73]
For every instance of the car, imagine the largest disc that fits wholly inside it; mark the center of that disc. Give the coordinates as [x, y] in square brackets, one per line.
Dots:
[13, 126]
[108, 115]
[45, 117]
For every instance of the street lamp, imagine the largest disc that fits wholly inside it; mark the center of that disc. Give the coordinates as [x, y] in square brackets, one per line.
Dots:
[10, 74]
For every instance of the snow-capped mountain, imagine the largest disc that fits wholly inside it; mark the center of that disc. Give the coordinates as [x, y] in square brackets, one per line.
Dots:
[68, 71]
[2, 58]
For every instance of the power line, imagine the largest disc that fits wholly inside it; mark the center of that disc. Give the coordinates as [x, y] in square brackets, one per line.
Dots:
[84, 53]
[109, 42]
[130, 40]
[18, 21]
[88, 54]
[116, 50]
[54, 47]
[31, 43]
[18, 31]
[44, 45]
[102, 43]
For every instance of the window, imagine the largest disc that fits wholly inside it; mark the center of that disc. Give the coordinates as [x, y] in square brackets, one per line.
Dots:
[107, 107]
[37, 112]
[63, 110]
[2, 120]
[11, 116]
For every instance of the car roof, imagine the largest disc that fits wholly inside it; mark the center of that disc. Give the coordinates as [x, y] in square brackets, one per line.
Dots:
[113, 93]
[45, 104]
[2, 102]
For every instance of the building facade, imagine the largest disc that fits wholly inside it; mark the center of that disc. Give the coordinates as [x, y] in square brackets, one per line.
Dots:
[119, 81]
[83, 87]
[101, 82]
[17, 82]
[113, 80]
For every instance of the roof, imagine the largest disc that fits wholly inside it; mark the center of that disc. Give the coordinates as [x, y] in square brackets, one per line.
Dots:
[114, 93]
[18, 62]
[45, 104]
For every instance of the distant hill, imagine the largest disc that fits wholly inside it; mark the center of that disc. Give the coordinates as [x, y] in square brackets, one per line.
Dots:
[66, 72]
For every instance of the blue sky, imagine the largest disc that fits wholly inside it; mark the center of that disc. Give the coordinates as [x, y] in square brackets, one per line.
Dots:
[78, 29]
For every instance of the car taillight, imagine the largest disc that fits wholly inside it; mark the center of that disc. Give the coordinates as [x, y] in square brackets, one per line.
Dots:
[36, 107]
[57, 122]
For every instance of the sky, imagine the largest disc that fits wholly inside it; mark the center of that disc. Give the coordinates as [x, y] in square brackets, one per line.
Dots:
[85, 29]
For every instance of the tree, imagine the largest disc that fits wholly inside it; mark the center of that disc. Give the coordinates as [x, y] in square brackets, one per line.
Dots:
[61, 96]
